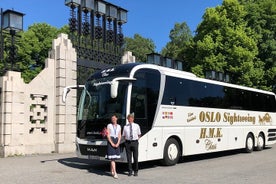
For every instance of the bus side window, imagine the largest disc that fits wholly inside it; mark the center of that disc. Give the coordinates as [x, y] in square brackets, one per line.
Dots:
[144, 97]
[138, 105]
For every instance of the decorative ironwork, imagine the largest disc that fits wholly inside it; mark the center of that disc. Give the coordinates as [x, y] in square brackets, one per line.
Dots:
[96, 34]
[120, 40]
[85, 24]
[96, 30]
[73, 19]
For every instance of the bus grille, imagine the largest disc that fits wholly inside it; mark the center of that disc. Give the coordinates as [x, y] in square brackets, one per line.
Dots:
[271, 134]
[96, 150]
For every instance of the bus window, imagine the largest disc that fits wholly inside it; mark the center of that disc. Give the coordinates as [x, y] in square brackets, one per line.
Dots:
[138, 105]
[144, 97]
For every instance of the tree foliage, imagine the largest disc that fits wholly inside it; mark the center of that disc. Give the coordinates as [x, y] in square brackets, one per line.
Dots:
[139, 46]
[224, 43]
[33, 46]
[238, 38]
[180, 37]
[261, 17]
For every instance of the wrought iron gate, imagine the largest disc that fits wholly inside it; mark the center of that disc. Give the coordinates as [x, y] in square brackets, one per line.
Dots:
[96, 34]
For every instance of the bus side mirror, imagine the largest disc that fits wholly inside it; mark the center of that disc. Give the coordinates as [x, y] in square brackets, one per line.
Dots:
[67, 89]
[114, 89]
[115, 83]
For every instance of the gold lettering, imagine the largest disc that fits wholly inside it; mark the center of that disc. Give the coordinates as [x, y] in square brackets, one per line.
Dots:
[219, 134]
[203, 133]
[209, 145]
[236, 118]
[211, 132]
[201, 116]
[191, 117]
[218, 117]
[208, 117]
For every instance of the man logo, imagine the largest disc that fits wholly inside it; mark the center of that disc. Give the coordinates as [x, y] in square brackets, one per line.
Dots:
[92, 149]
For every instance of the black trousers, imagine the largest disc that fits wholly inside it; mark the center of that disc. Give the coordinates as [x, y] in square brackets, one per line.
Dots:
[132, 150]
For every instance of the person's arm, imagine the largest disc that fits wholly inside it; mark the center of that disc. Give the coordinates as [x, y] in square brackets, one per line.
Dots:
[119, 139]
[124, 134]
[139, 132]
[109, 138]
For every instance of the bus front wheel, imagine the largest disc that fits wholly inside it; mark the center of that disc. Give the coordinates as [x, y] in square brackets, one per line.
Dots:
[249, 144]
[260, 142]
[171, 152]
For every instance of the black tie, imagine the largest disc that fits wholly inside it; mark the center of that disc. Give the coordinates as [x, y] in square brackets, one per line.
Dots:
[131, 133]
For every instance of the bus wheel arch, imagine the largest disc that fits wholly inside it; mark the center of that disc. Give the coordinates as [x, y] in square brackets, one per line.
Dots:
[172, 151]
[260, 142]
[249, 142]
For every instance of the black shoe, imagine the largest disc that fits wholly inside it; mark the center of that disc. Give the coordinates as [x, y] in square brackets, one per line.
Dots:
[129, 173]
[135, 173]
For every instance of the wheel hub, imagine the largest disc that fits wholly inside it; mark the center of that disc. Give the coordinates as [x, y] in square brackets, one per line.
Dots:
[172, 152]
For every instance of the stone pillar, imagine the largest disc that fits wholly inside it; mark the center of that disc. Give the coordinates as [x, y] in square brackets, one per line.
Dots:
[66, 75]
[12, 114]
[128, 58]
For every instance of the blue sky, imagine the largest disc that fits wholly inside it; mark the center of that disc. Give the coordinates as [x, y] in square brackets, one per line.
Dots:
[151, 19]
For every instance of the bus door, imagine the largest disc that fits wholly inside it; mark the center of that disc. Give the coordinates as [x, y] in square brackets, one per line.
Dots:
[144, 98]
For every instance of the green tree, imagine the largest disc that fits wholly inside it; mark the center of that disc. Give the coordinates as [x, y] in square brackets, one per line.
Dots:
[139, 47]
[261, 17]
[180, 37]
[34, 46]
[224, 43]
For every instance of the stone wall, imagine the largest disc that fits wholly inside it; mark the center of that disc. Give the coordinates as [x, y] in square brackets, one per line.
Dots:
[33, 118]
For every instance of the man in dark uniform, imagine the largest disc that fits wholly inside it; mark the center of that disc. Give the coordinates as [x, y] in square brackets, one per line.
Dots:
[131, 134]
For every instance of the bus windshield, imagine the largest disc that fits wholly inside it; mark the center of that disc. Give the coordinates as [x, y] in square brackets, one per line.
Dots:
[96, 106]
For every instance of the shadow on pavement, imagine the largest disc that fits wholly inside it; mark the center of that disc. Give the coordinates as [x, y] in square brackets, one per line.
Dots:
[209, 156]
[102, 167]
[93, 166]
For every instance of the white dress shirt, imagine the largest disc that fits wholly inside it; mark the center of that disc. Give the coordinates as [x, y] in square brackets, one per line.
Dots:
[135, 130]
[114, 130]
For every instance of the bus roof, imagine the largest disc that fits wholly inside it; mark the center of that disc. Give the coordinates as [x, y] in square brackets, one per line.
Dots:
[191, 76]
[126, 69]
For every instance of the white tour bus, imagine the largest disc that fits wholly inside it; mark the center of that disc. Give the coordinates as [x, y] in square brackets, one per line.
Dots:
[179, 113]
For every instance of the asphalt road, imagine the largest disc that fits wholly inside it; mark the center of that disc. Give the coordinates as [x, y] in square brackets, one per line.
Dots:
[233, 167]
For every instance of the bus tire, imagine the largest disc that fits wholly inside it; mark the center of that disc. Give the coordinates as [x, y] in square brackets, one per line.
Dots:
[249, 143]
[260, 142]
[171, 152]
